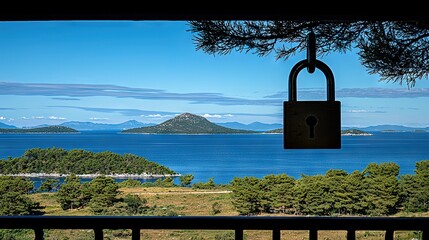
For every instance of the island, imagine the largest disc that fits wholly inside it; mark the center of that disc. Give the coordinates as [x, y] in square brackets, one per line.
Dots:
[49, 129]
[355, 132]
[187, 123]
[58, 162]
[348, 132]
[274, 131]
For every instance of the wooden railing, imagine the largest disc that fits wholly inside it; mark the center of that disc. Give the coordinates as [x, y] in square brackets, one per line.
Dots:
[236, 223]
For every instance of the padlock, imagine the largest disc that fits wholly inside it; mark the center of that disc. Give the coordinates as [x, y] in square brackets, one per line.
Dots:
[311, 124]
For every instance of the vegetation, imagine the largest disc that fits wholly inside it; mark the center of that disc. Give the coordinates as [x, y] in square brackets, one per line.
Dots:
[376, 191]
[77, 161]
[185, 180]
[130, 183]
[414, 189]
[50, 129]
[14, 197]
[210, 184]
[186, 123]
[394, 50]
[49, 185]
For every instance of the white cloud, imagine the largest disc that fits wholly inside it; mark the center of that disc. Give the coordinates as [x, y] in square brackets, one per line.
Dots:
[364, 111]
[56, 118]
[358, 111]
[98, 119]
[77, 91]
[157, 116]
[207, 115]
[211, 115]
[2, 118]
[39, 117]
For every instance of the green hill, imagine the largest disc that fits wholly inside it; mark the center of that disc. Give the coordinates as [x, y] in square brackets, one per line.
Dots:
[186, 123]
[50, 129]
[57, 161]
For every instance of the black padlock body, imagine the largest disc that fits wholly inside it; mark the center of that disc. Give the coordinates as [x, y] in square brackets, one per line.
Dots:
[327, 131]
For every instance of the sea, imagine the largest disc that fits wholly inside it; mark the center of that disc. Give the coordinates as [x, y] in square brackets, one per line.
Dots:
[225, 157]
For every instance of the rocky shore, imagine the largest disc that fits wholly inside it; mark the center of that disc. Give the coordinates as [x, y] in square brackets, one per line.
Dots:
[118, 176]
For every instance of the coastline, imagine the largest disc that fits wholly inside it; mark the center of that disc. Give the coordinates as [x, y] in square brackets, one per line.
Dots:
[116, 176]
[1, 132]
[357, 134]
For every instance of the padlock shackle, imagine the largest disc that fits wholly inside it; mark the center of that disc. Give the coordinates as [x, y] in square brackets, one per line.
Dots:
[330, 85]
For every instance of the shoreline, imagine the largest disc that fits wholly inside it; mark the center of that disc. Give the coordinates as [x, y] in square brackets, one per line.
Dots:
[357, 134]
[115, 176]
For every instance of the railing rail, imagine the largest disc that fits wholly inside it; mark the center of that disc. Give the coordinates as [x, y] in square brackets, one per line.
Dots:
[236, 223]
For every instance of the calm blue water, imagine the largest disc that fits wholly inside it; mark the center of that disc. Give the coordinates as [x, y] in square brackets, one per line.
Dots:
[224, 157]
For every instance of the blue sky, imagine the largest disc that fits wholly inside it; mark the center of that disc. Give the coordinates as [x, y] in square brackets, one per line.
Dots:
[111, 72]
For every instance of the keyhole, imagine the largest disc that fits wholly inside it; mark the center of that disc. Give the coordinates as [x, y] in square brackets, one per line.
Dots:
[311, 121]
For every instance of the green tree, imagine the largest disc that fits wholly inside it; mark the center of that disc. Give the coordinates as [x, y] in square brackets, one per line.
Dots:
[135, 204]
[102, 192]
[210, 184]
[312, 195]
[15, 184]
[337, 192]
[409, 192]
[185, 180]
[70, 195]
[382, 189]
[49, 185]
[395, 50]
[352, 200]
[216, 208]
[160, 182]
[414, 189]
[247, 195]
[278, 193]
[168, 182]
[14, 198]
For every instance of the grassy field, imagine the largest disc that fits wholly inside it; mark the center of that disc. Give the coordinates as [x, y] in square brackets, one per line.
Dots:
[187, 202]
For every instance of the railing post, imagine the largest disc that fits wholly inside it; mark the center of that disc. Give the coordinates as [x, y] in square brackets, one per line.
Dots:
[98, 234]
[389, 234]
[38, 234]
[425, 234]
[239, 234]
[351, 234]
[276, 234]
[313, 234]
[135, 234]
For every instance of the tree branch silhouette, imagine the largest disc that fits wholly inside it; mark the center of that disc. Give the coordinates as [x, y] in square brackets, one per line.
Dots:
[395, 50]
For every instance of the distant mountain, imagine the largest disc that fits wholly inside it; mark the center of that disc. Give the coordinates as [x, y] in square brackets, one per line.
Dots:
[255, 126]
[389, 128]
[50, 129]
[187, 123]
[5, 126]
[90, 126]
[350, 132]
